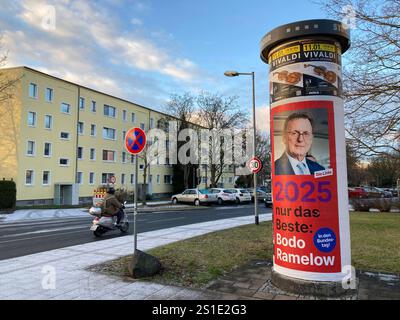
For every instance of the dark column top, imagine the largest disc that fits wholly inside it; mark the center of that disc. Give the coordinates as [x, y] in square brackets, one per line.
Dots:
[300, 29]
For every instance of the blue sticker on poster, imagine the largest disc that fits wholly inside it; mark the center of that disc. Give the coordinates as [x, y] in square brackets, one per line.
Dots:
[325, 240]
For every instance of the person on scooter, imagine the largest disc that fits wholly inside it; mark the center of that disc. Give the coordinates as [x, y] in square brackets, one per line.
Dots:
[111, 206]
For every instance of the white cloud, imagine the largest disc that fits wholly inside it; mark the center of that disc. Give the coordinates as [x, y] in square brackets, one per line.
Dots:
[136, 22]
[262, 118]
[93, 47]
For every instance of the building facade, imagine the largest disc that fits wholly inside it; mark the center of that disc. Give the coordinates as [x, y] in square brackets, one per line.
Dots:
[60, 140]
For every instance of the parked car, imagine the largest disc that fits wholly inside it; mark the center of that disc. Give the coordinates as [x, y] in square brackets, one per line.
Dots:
[241, 195]
[268, 200]
[394, 191]
[223, 195]
[357, 193]
[365, 192]
[261, 195]
[385, 192]
[195, 196]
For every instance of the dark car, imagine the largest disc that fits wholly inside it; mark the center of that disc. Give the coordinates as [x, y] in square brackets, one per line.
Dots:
[268, 200]
[261, 195]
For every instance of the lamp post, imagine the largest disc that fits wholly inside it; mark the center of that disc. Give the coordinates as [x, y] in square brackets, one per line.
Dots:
[235, 74]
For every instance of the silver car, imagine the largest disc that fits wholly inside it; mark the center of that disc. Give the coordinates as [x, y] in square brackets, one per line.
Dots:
[195, 196]
[242, 195]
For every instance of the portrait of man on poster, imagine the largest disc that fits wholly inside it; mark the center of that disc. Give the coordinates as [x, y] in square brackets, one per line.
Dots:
[297, 138]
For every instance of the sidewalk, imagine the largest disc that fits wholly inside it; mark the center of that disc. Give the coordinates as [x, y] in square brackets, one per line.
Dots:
[37, 214]
[61, 274]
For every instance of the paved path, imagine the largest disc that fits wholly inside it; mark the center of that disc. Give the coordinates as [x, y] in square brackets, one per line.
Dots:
[61, 274]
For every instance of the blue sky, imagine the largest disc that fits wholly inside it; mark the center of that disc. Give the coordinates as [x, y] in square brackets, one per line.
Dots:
[146, 50]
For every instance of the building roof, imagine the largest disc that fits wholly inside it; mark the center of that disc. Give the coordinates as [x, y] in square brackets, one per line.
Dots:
[91, 89]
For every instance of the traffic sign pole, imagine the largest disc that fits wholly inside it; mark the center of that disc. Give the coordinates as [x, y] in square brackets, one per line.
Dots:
[135, 142]
[135, 204]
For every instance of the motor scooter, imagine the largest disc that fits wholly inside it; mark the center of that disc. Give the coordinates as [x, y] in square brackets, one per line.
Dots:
[102, 224]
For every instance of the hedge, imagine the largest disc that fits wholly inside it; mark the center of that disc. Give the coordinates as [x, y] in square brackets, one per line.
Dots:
[8, 195]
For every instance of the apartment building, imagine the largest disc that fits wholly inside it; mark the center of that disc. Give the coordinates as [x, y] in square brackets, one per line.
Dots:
[60, 140]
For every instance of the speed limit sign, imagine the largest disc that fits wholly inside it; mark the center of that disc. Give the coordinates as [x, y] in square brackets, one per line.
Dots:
[112, 179]
[254, 165]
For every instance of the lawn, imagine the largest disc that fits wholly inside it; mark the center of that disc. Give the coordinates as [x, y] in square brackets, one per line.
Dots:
[194, 262]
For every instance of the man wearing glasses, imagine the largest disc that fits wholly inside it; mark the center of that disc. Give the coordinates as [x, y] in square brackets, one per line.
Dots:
[297, 138]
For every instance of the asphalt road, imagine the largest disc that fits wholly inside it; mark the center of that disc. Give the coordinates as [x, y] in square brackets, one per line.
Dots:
[28, 237]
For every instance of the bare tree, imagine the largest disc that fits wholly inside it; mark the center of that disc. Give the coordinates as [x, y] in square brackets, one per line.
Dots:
[183, 109]
[371, 73]
[218, 113]
[9, 123]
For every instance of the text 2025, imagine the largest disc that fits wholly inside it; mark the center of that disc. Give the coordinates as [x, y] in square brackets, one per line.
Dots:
[291, 191]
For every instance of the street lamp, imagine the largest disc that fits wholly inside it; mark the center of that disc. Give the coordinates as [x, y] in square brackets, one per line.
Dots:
[235, 74]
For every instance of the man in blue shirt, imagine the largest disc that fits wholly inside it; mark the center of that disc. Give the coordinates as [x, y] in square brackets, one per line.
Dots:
[297, 138]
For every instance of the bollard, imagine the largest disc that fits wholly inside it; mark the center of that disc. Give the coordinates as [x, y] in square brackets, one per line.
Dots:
[309, 175]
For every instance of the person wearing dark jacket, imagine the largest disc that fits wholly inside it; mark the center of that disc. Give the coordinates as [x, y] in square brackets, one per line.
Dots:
[297, 138]
[112, 206]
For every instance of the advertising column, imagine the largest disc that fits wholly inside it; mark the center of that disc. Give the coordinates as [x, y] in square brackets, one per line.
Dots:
[309, 176]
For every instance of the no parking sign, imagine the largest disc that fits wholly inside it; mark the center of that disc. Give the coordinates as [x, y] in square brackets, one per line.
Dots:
[135, 140]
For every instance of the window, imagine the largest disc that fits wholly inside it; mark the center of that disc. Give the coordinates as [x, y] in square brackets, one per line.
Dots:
[105, 177]
[80, 153]
[151, 123]
[49, 94]
[108, 133]
[123, 135]
[133, 117]
[132, 158]
[123, 157]
[132, 178]
[92, 154]
[141, 166]
[167, 179]
[32, 119]
[93, 130]
[64, 162]
[81, 103]
[142, 125]
[167, 161]
[65, 108]
[64, 135]
[123, 178]
[47, 149]
[108, 155]
[91, 177]
[109, 111]
[29, 175]
[124, 115]
[79, 176]
[230, 180]
[33, 90]
[93, 106]
[158, 179]
[30, 151]
[46, 178]
[151, 178]
[48, 121]
[80, 128]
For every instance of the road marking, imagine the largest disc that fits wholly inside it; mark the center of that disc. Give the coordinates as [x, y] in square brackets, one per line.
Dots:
[49, 235]
[42, 231]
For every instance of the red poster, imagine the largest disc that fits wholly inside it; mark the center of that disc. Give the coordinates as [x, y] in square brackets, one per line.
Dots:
[304, 175]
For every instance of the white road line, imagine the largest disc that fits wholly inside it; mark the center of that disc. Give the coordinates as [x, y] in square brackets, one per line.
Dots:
[49, 235]
[42, 231]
